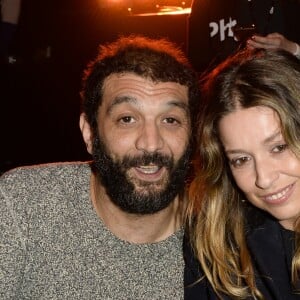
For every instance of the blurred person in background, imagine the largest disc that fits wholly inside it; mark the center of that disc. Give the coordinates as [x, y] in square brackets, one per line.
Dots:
[217, 28]
[10, 12]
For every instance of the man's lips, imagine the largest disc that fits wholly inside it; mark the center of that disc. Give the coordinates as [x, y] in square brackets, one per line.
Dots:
[149, 172]
[148, 169]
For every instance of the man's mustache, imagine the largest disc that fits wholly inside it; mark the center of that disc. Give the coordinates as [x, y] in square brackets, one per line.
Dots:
[157, 159]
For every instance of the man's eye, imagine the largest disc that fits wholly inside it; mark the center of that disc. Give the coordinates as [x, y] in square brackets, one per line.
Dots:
[171, 120]
[239, 162]
[127, 119]
[280, 148]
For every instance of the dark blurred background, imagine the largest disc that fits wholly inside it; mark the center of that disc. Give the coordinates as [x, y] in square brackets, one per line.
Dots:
[40, 79]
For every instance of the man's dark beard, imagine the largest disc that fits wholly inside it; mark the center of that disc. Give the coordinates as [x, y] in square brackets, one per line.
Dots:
[151, 198]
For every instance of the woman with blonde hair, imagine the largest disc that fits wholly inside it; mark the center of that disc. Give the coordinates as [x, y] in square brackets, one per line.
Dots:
[245, 199]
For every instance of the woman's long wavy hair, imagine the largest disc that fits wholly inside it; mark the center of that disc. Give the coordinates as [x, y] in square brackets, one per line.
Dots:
[216, 212]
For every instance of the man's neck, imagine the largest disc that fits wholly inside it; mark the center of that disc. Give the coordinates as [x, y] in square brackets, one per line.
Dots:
[138, 229]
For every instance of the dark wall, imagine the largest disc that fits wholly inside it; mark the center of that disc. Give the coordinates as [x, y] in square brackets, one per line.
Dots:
[39, 93]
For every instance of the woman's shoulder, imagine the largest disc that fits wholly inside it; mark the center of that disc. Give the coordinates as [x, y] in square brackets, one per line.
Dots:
[196, 285]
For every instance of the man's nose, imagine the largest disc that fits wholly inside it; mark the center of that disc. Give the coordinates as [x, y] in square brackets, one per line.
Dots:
[150, 138]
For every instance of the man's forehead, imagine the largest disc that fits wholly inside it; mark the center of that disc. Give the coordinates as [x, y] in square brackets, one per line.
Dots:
[131, 82]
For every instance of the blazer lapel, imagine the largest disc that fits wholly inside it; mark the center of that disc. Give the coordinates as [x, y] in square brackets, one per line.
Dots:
[266, 247]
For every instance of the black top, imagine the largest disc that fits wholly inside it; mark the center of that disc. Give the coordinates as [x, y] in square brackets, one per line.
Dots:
[271, 248]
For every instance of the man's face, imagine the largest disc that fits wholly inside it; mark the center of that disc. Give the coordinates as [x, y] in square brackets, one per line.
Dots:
[141, 150]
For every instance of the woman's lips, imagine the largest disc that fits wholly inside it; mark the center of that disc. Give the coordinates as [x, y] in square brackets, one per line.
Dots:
[280, 196]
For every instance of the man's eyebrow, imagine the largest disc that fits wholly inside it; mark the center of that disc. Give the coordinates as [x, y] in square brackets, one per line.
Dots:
[122, 99]
[129, 99]
[181, 105]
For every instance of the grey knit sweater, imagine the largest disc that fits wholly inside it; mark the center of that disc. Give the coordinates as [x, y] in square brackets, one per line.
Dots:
[54, 246]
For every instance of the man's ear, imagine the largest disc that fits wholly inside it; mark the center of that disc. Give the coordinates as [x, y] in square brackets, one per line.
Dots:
[86, 133]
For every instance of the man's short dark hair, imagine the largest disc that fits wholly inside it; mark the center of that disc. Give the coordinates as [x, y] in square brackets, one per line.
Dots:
[157, 59]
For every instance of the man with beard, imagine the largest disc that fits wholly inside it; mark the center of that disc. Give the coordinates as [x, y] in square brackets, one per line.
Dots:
[110, 228]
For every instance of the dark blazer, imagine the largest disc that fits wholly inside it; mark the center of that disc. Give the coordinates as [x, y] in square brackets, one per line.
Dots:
[194, 290]
[271, 258]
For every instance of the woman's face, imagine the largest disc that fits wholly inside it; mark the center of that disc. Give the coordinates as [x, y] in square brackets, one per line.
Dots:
[262, 164]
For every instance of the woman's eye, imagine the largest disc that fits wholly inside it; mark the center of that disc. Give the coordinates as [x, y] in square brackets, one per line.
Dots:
[280, 148]
[238, 162]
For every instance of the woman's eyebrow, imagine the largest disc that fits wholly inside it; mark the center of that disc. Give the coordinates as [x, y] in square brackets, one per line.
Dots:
[272, 137]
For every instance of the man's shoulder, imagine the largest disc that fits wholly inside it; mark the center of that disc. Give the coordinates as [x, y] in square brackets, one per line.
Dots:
[45, 169]
[28, 177]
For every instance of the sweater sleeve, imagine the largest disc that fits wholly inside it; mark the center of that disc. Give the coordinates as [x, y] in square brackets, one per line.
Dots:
[12, 247]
